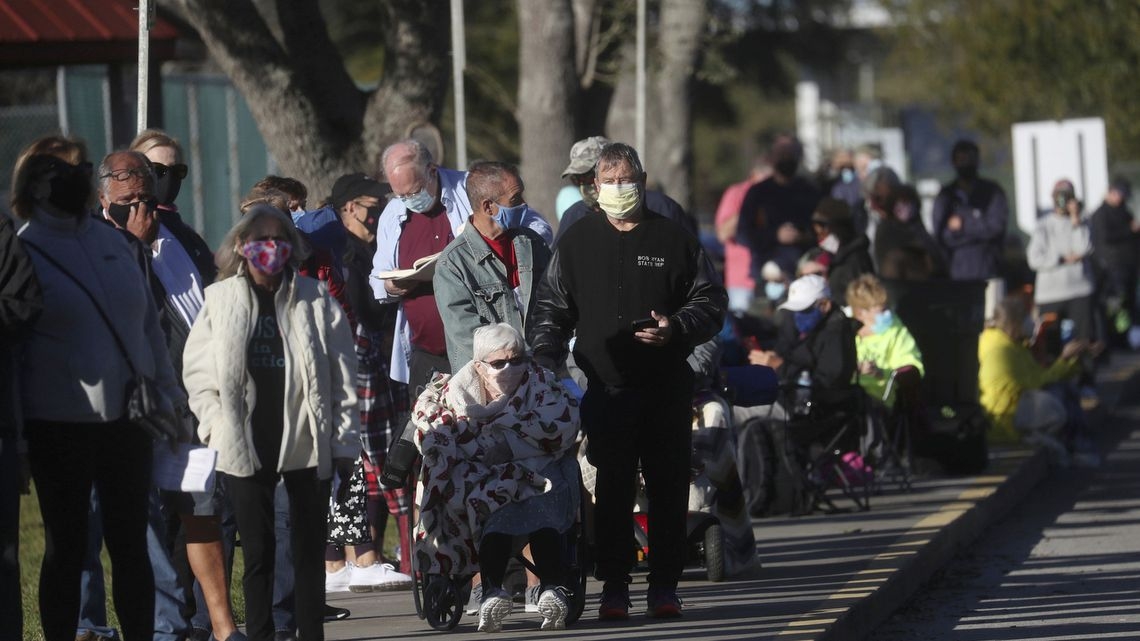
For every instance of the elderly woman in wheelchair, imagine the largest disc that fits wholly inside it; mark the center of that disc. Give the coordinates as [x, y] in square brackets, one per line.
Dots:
[497, 440]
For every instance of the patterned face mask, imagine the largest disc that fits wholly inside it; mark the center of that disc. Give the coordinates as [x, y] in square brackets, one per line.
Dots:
[267, 256]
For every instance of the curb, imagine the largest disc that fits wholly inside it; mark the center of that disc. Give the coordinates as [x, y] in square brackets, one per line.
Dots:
[958, 525]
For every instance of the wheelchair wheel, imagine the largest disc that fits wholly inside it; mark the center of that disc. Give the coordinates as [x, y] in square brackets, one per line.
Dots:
[756, 463]
[714, 552]
[443, 603]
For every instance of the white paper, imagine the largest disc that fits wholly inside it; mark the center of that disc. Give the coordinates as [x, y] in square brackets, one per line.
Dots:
[190, 469]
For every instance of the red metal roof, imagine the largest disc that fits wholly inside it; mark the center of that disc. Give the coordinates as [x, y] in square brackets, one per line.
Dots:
[76, 32]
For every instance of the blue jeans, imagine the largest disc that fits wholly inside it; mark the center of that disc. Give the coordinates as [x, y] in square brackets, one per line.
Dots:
[170, 623]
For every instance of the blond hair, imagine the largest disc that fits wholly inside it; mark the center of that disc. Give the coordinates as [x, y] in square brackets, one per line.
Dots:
[866, 292]
[230, 262]
[150, 138]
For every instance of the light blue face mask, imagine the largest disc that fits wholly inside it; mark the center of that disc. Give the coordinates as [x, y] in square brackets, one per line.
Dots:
[883, 321]
[510, 217]
[774, 291]
[419, 202]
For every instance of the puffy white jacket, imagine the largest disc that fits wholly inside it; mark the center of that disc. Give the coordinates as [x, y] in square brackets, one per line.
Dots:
[321, 420]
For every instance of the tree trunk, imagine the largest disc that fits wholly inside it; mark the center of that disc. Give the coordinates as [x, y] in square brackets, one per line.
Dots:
[315, 121]
[678, 49]
[548, 93]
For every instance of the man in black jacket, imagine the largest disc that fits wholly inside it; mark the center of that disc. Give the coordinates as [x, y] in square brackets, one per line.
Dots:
[1114, 237]
[814, 336]
[20, 305]
[639, 293]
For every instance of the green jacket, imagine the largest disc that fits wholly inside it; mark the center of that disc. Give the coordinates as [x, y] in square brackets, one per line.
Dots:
[889, 351]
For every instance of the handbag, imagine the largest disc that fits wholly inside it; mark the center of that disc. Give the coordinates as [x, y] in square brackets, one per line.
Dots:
[143, 400]
[401, 458]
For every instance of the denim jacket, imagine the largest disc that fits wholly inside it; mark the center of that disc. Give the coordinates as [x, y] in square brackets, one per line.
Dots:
[472, 289]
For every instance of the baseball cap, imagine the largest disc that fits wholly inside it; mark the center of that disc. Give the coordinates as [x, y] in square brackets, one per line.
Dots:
[805, 291]
[584, 155]
[350, 186]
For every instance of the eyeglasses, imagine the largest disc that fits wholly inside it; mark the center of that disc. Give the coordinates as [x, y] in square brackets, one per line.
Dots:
[500, 363]
[120, 175]
[178, 170]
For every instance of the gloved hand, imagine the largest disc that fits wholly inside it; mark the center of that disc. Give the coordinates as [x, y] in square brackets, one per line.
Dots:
[498, 453]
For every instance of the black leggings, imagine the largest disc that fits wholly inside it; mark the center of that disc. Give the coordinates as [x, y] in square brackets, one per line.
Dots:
[67, 459]
[545, 547]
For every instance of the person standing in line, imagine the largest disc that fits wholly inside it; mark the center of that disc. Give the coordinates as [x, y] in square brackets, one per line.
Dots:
[639, 293]
[98, 336]
[1115, 234]
[970, 217]
[737, 259]
[21, 302]
[270, 370]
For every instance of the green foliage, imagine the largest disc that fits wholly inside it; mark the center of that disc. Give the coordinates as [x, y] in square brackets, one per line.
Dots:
[1009, 61]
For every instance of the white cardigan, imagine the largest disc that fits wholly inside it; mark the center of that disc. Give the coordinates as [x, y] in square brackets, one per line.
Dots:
[321, 420]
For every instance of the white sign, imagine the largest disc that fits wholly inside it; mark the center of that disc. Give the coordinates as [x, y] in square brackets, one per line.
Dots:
[1045, 152]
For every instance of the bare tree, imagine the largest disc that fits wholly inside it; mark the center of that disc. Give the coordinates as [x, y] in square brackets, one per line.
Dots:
[548, 96]
[315, 121]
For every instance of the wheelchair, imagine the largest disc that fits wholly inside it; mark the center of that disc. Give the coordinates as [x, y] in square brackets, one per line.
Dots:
[441, 599]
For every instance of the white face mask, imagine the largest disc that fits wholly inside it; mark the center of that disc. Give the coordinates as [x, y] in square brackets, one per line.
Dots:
[502, 382]
[829, 244]
[619, 201]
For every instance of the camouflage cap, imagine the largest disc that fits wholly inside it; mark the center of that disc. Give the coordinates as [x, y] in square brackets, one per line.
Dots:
[584, 155]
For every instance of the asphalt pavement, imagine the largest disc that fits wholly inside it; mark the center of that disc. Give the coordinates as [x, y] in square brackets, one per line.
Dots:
[824, 576]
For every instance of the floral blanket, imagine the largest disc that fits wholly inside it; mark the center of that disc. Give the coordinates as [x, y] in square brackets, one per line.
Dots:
[467, 474]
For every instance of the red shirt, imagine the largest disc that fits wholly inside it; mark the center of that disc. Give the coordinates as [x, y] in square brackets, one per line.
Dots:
[504, 249]
[423, 235]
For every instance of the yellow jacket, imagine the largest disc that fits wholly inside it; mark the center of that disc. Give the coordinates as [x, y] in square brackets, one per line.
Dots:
[893, 349]
[1006, 369]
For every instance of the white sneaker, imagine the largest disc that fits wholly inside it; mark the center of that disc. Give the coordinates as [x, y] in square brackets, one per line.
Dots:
[553, 606]
[496, 606]
[337, 581]
[378, 577]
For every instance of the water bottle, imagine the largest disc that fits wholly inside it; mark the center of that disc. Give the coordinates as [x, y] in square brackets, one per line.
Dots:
[803, 394]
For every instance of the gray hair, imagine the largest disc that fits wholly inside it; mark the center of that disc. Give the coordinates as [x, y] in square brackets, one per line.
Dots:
[230, 262]
[619, 152]
[494, 337]
[485, 180]
[881, 174]
[410, 147]
[105, 169]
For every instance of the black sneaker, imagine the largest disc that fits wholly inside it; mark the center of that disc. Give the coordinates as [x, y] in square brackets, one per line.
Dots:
[662, 603]
[614, 605]
[333, 613]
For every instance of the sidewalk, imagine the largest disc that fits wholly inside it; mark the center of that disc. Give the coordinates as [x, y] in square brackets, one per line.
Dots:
[824, 577]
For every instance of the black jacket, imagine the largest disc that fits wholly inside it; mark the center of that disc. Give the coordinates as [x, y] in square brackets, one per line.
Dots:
[601, 279]
[374, 316]
[1114, 242]
[20, 305]
[827, 353]
[851, 261]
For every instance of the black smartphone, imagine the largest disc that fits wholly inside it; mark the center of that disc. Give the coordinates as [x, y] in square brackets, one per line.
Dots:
[642, 323]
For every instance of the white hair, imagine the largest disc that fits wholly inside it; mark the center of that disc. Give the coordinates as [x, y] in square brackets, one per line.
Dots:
[405, 151]
[494, 337]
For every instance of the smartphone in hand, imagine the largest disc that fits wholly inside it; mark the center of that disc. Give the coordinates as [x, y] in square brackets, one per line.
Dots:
[642, 323]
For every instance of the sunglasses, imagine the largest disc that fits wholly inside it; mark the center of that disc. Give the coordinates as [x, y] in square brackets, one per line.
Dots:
[582, 179]
[500, 363]
[178, 170]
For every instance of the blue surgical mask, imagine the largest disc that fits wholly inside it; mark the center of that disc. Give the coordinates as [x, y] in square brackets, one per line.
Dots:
[774, 290]
[808, 319]
[419, 202]
[510, 217]
[883, 321]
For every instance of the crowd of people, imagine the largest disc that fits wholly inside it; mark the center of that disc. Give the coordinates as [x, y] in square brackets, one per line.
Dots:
[300, 347]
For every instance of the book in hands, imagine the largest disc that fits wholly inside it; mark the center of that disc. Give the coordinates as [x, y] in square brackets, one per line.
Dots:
[422, 270]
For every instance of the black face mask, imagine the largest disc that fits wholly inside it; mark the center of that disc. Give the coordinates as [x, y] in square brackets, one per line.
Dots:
[787, 167]
[168, 181]
[372, 219]
[967, 172]
[71, 187]
[120, 213]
